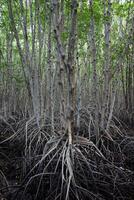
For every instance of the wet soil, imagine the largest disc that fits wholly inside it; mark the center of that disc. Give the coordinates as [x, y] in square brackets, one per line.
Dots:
[12, 168]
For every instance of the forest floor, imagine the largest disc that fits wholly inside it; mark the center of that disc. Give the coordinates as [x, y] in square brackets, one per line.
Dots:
[114, 178]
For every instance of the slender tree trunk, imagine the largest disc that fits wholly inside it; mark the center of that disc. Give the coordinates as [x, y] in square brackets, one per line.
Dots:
[78, 96]
[28, 59]
[94, 78]
[9, 73]
[71, 72]
[50, 76]
[107, 25]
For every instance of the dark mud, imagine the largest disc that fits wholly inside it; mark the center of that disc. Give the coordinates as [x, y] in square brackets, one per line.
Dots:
[108, 178]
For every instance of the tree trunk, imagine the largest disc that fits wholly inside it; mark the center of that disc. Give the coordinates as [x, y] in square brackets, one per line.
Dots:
[107, 25]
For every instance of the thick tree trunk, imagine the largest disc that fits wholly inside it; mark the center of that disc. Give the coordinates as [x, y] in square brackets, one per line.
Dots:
[69, 65]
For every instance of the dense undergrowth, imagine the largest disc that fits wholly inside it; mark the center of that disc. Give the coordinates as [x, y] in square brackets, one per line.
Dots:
[36, 165]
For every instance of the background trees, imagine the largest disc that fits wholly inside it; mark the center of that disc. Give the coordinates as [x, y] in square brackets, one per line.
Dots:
[80, 50]
[66, 72]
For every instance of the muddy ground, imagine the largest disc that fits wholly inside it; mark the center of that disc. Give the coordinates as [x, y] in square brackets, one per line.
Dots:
[113, 180]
